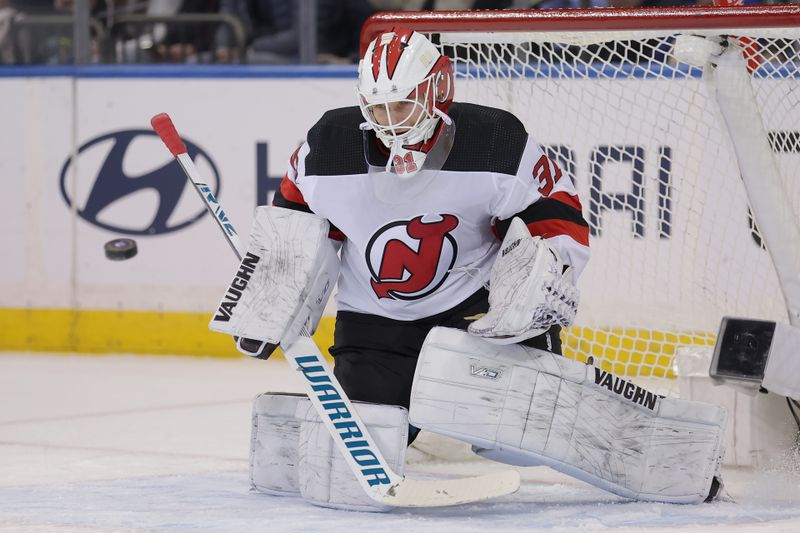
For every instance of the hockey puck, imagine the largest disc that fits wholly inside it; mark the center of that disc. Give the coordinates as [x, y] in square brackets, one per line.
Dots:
[120, 249]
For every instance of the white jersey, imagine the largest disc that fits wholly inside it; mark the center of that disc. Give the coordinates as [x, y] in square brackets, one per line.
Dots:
[415, 247]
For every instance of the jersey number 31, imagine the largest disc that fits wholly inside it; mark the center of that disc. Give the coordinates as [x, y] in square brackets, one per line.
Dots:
[404, 164]
[547, 174]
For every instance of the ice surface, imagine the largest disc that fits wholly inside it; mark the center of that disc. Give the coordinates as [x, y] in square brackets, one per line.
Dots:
[123, 443]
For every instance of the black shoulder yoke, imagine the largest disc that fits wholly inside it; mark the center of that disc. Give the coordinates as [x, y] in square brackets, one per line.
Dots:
[487, 139]
[336, 143]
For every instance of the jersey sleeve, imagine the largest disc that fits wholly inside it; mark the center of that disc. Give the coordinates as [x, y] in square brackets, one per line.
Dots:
[547, 201]
[288, 194]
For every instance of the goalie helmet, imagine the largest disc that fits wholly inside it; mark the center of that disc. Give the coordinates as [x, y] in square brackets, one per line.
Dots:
[405, 87]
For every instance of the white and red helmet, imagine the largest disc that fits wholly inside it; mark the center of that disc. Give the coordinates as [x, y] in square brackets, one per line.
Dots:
[404, 66]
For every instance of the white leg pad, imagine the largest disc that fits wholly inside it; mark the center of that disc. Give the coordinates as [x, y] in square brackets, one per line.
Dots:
[274, 443]
[325, 477]
[527, 406]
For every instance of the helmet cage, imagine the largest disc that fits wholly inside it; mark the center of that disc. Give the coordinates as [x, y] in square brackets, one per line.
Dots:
[407, 124]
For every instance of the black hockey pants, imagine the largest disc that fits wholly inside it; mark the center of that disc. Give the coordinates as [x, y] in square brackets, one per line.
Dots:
[375, 357]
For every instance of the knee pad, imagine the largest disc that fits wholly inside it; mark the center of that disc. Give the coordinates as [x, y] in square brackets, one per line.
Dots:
[325, 479]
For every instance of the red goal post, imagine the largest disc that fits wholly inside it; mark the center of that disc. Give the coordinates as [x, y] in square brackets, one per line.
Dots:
[681, 130]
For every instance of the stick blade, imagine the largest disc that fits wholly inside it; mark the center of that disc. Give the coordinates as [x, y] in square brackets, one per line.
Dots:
[444, 492]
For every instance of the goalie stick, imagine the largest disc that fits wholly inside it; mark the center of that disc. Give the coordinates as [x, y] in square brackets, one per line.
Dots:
[346, 428]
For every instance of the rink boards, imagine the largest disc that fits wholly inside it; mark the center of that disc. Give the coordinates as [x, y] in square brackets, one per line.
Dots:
[81, 167]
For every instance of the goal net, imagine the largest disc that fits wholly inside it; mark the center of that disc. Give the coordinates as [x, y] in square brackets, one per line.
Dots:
[627, 102]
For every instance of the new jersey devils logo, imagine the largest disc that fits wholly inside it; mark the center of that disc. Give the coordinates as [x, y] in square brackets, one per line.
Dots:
[410, 259]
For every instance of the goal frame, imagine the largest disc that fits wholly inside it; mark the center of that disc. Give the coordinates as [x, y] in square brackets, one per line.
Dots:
[735, 22]
[593, 19]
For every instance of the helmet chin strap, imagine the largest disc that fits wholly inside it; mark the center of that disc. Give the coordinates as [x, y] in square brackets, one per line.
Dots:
[393, 151]
[442, 115]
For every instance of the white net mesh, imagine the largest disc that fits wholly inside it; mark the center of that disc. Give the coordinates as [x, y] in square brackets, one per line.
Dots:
[674, 245]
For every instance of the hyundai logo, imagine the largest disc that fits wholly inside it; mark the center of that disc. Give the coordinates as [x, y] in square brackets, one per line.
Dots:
[126, 185]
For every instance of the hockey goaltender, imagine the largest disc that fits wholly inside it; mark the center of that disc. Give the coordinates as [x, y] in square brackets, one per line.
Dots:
[456, 244]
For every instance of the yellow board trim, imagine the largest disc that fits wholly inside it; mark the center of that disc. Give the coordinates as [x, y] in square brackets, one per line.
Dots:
[628, 352]
[134, 332]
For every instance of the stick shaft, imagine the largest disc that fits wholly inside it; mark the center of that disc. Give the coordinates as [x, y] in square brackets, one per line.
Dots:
[207, 195]
[165, 129]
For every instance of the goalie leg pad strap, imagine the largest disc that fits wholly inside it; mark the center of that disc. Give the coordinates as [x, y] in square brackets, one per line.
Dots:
[324, 475]
[529, 406]
[274, 442]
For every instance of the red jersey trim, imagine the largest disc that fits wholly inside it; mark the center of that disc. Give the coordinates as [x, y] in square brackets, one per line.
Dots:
[568, 199]
[290, 191]
[553, 228]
